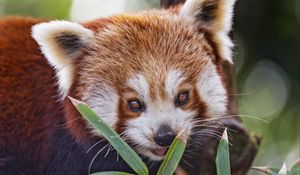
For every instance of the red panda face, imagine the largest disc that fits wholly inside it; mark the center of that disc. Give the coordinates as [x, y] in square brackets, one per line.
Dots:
[149, 75]
[147, 72]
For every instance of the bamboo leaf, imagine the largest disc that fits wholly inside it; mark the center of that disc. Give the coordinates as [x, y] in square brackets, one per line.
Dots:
[125, 151]
[173, 155]
[222, 159]
[112, 173]
[295, 170]
[267, 170]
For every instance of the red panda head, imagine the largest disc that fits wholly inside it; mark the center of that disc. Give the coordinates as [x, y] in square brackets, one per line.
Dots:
[148, 75]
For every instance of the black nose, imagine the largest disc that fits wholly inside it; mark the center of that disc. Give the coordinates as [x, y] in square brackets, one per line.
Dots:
[164, 136]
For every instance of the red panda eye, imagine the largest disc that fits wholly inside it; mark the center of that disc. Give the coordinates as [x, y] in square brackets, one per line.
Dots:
[136, 105]
[182, 98]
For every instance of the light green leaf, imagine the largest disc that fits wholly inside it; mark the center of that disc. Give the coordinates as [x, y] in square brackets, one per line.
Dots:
[173, 155]
[222, 159]
[125, 151]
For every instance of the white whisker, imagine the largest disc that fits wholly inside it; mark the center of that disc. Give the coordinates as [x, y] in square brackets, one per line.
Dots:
[90, 165]
[94, 145]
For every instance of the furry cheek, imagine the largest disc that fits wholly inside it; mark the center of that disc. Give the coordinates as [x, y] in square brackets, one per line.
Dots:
[104, 100]
[211, 90]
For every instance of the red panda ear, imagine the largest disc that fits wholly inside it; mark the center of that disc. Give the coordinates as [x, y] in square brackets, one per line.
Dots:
[61, 42]
[216, 17]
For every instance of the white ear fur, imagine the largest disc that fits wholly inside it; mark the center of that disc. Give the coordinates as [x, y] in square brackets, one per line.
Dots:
[216, 16]
[61, 42]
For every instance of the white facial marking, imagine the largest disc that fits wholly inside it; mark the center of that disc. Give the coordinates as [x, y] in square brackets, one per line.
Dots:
[140, 85]
[212, 91]
[104, 100]
[173, 80]
[142, 130]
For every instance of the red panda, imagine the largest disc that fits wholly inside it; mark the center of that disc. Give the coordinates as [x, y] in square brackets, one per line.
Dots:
[148, 75]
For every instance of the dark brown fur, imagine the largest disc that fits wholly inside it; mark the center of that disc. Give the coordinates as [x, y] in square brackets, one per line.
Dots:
[28, 94]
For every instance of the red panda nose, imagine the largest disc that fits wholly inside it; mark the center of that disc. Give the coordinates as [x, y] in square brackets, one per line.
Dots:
[164, 136]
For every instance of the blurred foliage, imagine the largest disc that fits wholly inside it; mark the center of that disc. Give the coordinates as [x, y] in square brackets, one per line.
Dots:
[56, 9]
[268, 40]
[267, 36]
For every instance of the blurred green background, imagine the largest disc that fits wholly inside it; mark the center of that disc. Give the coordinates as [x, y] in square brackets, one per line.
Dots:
[267, 35]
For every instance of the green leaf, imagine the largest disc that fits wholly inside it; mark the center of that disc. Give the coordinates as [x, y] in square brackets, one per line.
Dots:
[295, 170]
[173, 155]
[267, 170]
[127, 153]
[112, 173]
[222, 159]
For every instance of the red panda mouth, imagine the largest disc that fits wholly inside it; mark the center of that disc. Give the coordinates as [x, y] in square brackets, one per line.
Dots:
[160, 151]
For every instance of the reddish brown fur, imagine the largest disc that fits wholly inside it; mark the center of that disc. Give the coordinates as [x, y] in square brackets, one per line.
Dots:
[28, 95]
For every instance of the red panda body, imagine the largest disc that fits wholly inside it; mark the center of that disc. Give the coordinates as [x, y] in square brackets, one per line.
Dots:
[27, 88]
[32, 135]
[148, 75]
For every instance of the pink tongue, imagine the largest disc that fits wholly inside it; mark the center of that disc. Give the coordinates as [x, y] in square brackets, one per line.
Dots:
[160, 151]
